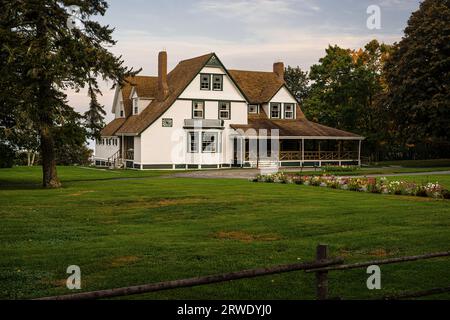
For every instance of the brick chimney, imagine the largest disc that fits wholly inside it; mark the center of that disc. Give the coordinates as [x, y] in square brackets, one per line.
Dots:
[163, 87]
[278, 69]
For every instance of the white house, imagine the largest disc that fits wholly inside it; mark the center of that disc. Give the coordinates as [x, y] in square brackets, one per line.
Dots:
[202, 115]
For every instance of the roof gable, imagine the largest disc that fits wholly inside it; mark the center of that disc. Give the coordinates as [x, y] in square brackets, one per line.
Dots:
[178, 79]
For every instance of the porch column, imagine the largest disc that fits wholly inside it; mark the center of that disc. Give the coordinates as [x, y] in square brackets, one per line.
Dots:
[303, 150]
[359, 152]
[123, 148]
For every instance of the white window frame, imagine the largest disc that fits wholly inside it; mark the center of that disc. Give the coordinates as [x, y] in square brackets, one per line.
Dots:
[135, 106]
[220, 77]
[227, 104]
[193, 144]
[292, 111]
[213, 144]
[272, 105]
[195, 108]
[256, 108]
[202, 83]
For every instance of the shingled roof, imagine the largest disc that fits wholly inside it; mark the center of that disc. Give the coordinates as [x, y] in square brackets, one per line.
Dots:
[178, 79]
[258, 87]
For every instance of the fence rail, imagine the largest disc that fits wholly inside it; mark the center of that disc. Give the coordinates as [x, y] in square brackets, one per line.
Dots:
[321, 267]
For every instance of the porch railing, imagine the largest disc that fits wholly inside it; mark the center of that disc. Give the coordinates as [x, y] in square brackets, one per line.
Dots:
[312, 155]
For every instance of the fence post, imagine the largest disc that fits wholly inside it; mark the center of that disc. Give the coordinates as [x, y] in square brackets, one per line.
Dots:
[322, 276]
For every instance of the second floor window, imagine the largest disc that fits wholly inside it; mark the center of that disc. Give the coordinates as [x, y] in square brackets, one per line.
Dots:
[121, 113]
[135, 106]
[275, 110]
[205, 82]
[289, 111]
[198, 110]
[217, 82]
[224, 110]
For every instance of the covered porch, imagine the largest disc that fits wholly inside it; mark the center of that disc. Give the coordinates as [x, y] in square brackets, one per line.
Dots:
[300, 151]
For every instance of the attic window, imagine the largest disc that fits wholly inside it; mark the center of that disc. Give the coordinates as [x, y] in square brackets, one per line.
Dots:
[205, 82]
[218, 82]
[275, 110]
[121, 113]
[289, 111]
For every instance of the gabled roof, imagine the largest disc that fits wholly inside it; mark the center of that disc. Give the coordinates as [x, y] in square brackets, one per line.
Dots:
[178, 79]
[259, 87]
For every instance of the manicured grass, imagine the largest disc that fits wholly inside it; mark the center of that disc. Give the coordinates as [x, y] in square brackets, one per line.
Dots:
[32, 177]
[134, 231]
[416, 163]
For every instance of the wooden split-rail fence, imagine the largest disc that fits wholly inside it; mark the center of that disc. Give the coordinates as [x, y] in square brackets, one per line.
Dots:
[321, 266]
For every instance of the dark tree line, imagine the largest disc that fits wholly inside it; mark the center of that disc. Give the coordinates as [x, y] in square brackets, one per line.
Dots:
[397, 96]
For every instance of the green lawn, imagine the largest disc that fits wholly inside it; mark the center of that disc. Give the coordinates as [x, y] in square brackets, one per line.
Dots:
[123, 230]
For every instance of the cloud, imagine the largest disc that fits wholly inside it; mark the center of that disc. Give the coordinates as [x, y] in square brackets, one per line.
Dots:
[399, 4]
[254, 10]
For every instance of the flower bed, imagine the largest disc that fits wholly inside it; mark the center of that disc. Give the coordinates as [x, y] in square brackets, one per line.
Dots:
[371, 185]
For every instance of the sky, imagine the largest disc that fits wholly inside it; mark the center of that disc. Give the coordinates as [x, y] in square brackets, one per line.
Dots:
[245, 34]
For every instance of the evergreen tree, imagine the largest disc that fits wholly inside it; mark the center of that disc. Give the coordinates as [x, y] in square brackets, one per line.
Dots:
[418, 77]
[42, 55]
[297, 81]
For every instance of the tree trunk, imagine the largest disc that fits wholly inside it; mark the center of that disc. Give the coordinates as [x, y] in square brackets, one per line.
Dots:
[50, 177]
[33, 158]
[28, 158]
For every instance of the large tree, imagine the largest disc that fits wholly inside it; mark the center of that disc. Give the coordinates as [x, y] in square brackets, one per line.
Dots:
[42, 57]
[418, 77]
[297, 81]
[345, 86]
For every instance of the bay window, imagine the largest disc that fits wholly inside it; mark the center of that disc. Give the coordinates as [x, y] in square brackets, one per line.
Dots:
[209, 142]
[193, 142]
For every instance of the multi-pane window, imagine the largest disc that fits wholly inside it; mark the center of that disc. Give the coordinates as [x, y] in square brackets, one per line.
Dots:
[224, 110]
[205, 82]
[121, 113]
[193, 142]
[289, 111]
[275, 110]
[252, 108]
[217, 82]
[209, 142]
[198, 110]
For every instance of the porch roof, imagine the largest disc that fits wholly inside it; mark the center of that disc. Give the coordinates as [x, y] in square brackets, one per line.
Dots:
[295, 128]
[112, 127]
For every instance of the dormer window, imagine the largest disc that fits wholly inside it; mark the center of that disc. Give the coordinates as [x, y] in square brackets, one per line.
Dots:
[135, 106]
[205, 82]
[289, 111]
[253, 108]
[275, 110]
[217, 82]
